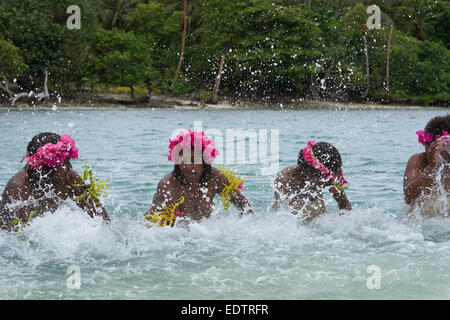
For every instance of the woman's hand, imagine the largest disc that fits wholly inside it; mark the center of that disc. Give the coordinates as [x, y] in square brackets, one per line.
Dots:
[437, 151]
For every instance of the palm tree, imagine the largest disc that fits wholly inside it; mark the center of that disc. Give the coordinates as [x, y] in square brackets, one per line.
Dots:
[355, 20]
[386, 13]
[366, 53]
[189, 6]
[116, 12]
[183, 40]
[387, 57]
[218, 78]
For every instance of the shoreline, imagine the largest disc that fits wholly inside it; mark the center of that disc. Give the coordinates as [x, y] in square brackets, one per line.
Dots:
[123, 101]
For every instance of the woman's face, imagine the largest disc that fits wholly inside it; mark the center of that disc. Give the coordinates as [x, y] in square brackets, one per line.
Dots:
[189, 168]
[441, 146]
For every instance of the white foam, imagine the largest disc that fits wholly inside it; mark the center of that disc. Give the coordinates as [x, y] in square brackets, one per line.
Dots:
[225, 254]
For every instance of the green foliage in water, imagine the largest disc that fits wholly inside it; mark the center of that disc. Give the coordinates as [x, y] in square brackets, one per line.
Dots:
[20, 225]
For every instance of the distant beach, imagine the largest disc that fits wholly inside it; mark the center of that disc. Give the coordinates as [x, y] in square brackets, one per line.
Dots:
[124, 101]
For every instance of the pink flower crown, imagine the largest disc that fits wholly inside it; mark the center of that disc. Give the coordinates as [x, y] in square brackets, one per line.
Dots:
[188, 138]
[52, 155]
[310, 158]
[425, 137]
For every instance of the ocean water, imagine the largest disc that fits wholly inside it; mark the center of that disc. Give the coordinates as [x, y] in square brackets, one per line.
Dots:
[264, 256]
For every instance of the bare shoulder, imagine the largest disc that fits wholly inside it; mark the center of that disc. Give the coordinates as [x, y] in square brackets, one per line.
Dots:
[164, 191]
[18, 180]
[74, 178]
[15, 185]
[417, 161]
[218, 177]
[286, 173]
[167, 182]
[415, 166]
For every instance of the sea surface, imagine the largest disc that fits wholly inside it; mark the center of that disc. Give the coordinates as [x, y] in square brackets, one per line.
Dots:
[372, 252]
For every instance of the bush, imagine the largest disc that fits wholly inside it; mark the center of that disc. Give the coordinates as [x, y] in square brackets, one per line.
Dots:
[182, 86]
[12, 64]
[205, 96]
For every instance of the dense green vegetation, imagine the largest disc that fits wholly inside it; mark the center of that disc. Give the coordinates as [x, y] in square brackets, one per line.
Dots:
[249, 49]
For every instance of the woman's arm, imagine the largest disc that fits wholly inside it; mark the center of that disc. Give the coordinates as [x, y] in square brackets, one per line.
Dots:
[14, 190]
[342, 200]
[241, 203]
[421, 173]
[276, 201]
[160, 198]
[2, 212]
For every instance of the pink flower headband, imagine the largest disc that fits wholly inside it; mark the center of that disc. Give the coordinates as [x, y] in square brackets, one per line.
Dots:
[186, 139]
[311, 159]
[425, 137]
[52, 155]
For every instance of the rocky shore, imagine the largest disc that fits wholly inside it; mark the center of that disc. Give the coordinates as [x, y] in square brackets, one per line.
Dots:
[124, 101]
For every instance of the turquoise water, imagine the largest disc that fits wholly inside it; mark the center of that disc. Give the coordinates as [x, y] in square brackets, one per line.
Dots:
[265, 256]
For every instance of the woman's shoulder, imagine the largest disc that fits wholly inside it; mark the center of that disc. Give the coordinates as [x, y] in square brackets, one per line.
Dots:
[167, 180]
[18, 180]
[418, 160]
[16, 184]
[217, 176]
[286, 172]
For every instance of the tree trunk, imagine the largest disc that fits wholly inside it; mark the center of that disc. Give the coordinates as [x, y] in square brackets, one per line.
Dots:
[114, 20]
[387, 58]
[132, 93]
[5, 88]
[183, 42]
[219, 77]
[44, 94]
[366, 52]
[312, 86]
[309, 3]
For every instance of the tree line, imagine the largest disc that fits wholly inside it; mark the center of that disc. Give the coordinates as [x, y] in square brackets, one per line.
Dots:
[244, 49]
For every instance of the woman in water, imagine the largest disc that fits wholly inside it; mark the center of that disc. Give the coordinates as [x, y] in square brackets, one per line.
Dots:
[46, 181]
[192, 185]
[426, 182]
[319, 167]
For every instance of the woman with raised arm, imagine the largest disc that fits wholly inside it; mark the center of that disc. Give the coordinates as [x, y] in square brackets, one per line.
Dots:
[301, 186]
[426, 182]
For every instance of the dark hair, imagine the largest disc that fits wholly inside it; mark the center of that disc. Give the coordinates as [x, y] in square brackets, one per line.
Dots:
[206, 174]
[325, 153]
[40, 177]
[437, 124]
